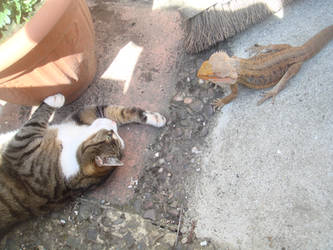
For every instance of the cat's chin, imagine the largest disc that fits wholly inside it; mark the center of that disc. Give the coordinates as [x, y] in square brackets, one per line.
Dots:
[108, 162]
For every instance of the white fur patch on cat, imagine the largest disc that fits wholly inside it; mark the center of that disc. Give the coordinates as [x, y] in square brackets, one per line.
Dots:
[155, 119]
[5, 138]
[72, 135]
[55, 101]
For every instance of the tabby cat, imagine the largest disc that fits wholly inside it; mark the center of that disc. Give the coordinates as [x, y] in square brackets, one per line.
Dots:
[42, 166]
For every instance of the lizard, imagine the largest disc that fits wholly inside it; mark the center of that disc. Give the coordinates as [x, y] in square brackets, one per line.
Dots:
[272, 65]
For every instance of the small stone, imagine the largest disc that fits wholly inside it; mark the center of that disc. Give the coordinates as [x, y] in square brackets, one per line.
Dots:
[198, 169]
[118, 221]
[102, 202]
[184, 240]
[84, 212]
[188, 79]
[147, 205]
[161, 161]
[204, 243]
[73, 242]
[157, 154]
[200, 81]
[106, 221]
[150, 214]
[178, 132]
[195, 150]
[160, 170]
[186, 123]
[179, 97]
[169, 174]
[208, 111]
[204, 132]
[62, 222]
[130, 241]
[91, 234]
[188, 100]
[174, 204]
[170, 239]
[197, 106]
[173, 212]
[76, 212]
[188, 133]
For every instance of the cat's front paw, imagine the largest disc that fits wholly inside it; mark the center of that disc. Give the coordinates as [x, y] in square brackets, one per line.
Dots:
[155, 119]
[55, 101]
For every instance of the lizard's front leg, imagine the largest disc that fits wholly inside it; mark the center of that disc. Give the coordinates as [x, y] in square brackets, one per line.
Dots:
[220, 102]
[293, 69]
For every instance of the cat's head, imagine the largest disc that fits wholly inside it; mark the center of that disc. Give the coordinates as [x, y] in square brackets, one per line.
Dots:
[100, 153]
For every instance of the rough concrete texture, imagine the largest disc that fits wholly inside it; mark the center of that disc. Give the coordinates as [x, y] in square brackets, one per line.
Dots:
[267, 171]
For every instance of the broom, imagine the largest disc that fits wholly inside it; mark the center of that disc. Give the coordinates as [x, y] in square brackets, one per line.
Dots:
[207, 25]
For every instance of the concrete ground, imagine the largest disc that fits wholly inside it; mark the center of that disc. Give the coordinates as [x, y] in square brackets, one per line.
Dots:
[267, 171]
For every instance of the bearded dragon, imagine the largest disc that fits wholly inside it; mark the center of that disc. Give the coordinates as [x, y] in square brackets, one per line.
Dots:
[273, 65]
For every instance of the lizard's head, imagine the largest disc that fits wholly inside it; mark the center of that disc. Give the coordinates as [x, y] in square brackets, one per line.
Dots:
[219, 68]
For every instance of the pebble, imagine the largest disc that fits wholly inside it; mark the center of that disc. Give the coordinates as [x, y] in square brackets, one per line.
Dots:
[197, 106]
[106, 221]
[174, 204]
[118, 221]
[195, 150]
[200, 81]
[204, 132]
[204, 243]
[178, 132]
[160, 170]
[147, 205]
[63, 222]
[150, 214]
[179, 97]
[188, 79]
[188, 100]
[173, 212]
[161, 161]
[91, 234]
[85, 211]
[184, 240]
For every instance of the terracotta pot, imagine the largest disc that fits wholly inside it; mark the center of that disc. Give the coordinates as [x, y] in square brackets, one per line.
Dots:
[53, 53]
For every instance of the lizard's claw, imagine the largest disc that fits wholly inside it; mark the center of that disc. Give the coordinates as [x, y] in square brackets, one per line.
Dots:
[217, 104]
[267, 95]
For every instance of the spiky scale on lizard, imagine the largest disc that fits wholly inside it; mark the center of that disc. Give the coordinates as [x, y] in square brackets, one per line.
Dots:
[272, 65]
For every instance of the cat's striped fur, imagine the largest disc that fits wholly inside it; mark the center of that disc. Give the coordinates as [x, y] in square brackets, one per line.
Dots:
[42, 166]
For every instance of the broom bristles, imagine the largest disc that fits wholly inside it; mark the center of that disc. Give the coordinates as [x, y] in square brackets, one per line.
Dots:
[222, 21]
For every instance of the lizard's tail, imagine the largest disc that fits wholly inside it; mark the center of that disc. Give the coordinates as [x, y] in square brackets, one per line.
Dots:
[317, 42]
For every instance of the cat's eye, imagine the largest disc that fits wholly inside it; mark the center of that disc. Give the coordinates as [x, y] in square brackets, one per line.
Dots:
[108, 139]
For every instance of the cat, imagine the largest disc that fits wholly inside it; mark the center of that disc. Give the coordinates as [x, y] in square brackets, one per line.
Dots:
[42, 166]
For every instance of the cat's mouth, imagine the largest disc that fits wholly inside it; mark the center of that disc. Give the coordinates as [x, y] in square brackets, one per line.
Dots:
[102, 161]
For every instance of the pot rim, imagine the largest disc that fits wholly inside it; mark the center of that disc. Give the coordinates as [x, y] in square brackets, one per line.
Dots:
[26, 38]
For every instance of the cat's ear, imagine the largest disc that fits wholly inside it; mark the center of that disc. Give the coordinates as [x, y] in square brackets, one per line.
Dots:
[108, 162]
